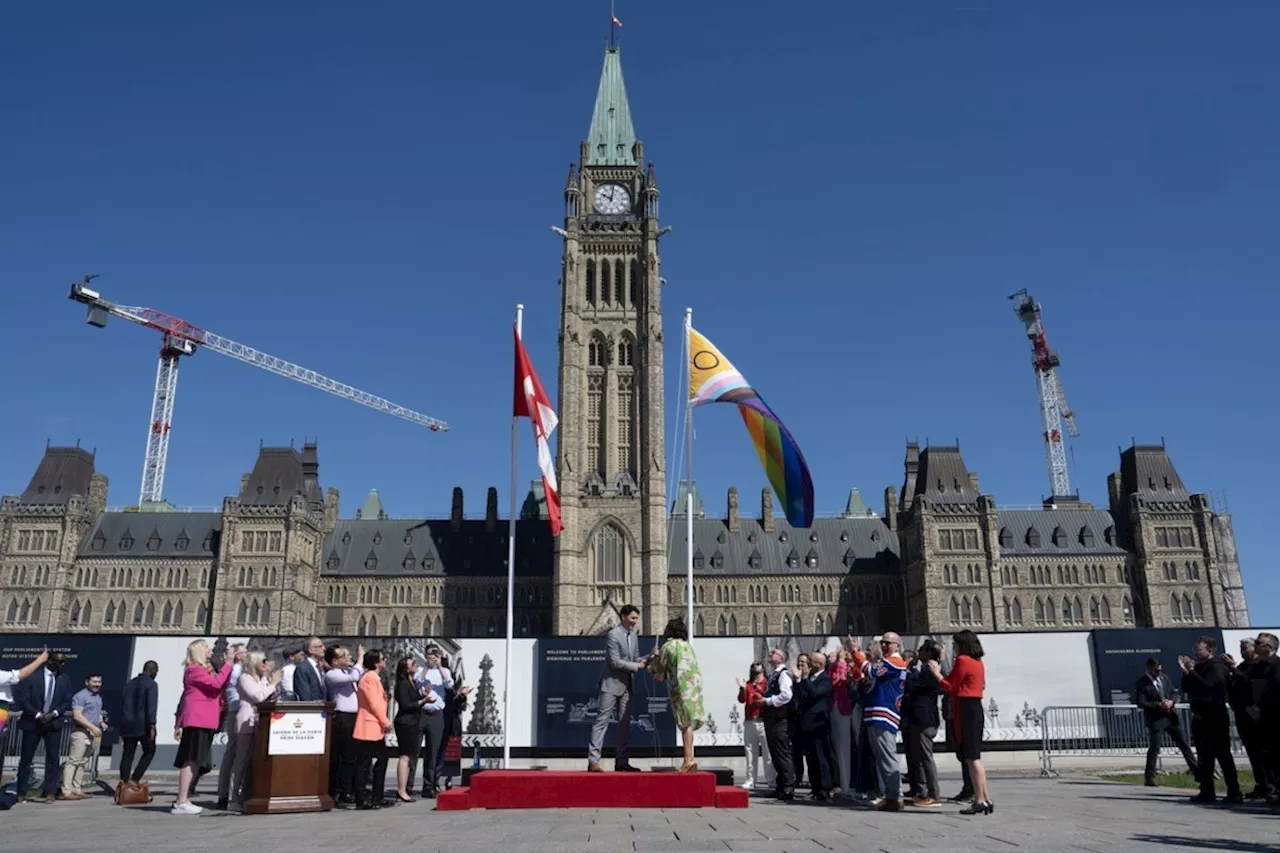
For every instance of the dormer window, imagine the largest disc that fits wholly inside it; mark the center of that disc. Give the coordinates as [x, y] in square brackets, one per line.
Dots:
[377, 539]
[371, 561]
[793, 559]
[1086, 537]
[346, 538]
[1033, 538]
[408, 563]
[207, 544]
[428, 563]
[126, 542]
[811, 559]
[181, 542]
[782, 537]
[850, 558]
[698, 560]
[153, 544]
[813, 537]
[1109, 535]
[717, 560]
[844, 536]
[754, 561]
[1059, 537]
[332, 563]
[99, 542]
[1005, 538]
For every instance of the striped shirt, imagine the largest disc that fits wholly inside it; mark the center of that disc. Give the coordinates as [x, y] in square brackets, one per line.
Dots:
[884, 698]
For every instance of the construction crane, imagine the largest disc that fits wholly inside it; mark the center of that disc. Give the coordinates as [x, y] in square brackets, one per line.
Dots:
[1053, 401]
[183, 339]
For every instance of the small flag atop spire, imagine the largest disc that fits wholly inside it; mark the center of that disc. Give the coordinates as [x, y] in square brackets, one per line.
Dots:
[616, 22]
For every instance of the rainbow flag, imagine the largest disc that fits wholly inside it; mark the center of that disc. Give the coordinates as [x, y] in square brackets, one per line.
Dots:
[714, 379]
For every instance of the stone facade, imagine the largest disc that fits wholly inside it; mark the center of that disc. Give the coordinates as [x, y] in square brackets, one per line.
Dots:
[610, 461]
[279, 559]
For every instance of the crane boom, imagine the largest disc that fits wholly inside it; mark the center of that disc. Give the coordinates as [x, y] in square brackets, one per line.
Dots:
[183, 339]
[1054, 410]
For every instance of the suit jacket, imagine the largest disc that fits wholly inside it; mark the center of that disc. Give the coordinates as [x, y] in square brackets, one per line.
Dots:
[307, 685]
[141, 696]
[1148, 696]
[28, 696]
[371, 718]
[622, 661]
[813, 702]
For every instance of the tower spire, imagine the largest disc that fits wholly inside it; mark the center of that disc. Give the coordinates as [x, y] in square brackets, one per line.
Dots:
[612, 138]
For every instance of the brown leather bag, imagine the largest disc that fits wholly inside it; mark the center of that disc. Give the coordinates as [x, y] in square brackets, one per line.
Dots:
[133, 794]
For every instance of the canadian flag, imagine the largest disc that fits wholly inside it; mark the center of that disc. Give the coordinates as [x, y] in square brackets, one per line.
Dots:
[616, 22]
[531, 402]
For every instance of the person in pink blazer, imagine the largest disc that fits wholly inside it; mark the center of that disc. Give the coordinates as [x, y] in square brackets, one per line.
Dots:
[372, 725]
[201, 714]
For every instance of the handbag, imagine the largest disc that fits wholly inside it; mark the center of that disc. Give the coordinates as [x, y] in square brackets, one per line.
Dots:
[133, 794]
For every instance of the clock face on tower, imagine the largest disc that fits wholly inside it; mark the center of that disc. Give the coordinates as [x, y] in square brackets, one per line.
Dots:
[612, 199]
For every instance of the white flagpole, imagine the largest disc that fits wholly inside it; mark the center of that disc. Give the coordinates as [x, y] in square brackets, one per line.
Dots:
[688, 496]
[511, 574]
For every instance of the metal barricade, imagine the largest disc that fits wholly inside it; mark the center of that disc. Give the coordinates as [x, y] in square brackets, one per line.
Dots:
[1105, 733]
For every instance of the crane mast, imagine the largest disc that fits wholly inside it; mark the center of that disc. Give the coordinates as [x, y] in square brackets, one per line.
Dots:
[180, 339]
[1054, 410]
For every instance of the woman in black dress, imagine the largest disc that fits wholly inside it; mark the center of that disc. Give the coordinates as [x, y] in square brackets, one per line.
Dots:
[407, 722]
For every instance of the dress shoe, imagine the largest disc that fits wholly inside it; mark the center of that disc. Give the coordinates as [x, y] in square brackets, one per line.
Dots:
[594, 768]
[626, 768]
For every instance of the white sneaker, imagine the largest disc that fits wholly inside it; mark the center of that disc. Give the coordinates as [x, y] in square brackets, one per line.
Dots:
[185, 808]
[748, 785]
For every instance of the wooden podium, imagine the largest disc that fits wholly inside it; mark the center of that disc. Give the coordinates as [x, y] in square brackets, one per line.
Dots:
[290, 771]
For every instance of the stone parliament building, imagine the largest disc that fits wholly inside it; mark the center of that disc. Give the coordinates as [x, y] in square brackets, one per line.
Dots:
[278, 558]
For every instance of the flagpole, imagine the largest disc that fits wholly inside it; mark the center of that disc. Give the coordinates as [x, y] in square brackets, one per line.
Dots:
[511, 575]
[688, 492]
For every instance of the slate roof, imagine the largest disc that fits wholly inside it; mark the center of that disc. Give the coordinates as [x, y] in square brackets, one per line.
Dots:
[943, 478]
[63, 473]
[146, 535]
[840, 545]
[431, 548]
[1081, 532]
[1147, 470]
[280, 473]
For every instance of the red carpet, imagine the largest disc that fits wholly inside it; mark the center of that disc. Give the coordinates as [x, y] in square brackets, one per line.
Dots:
[573, 789]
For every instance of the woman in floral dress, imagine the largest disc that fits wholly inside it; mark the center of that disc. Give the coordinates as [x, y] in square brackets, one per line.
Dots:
[676, 664]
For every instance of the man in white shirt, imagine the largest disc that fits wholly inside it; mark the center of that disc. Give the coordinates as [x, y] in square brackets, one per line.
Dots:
[286, 678]
[436, 676]
[777, 731]
[341, 678]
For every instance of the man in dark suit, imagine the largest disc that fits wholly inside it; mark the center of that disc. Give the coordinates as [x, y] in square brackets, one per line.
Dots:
[813, 706]
[308, 677]
[622, 662]
[1154, 694]
[1204, 680]
[44, 700]
[138, 722]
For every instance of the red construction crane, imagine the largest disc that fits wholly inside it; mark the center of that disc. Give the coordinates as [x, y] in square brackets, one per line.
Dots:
[1053, 401]
[182, 339]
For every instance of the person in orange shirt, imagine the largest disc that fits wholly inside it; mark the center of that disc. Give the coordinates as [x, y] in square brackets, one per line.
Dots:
[965, 684]
[372, 725]
[753, 739]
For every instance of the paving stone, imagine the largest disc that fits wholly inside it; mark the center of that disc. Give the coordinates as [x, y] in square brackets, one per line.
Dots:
[1033, 816]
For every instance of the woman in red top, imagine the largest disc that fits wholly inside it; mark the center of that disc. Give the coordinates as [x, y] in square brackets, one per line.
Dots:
[965, 683]
[753, 727]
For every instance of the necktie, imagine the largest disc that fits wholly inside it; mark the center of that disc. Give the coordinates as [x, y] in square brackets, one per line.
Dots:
[48, 692]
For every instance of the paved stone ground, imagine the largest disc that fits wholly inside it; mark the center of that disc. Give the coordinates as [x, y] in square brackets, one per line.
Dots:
[1070, 815]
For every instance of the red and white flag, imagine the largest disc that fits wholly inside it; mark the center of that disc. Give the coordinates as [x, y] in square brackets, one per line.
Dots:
[616, 22]
[531, 402]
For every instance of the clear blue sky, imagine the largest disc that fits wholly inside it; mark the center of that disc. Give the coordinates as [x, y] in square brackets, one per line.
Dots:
[855, 188]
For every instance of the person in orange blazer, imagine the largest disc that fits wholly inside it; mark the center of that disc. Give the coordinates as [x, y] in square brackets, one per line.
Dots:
[372, 725]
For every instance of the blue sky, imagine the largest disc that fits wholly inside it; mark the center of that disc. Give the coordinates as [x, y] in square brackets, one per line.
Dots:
[855, 188]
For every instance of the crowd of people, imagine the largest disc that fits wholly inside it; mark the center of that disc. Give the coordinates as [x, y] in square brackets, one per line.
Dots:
[412, 716]
[839, 717]
[1217, 687]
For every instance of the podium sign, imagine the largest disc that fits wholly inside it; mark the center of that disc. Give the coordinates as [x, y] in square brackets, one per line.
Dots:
[297, 733]
[291, 759]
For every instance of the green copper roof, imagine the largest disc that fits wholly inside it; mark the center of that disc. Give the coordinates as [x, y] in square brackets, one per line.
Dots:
[857, 507]
[372, 509]
[611, 137]
[680, 506]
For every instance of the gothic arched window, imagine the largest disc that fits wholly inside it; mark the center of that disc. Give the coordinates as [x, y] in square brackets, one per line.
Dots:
[591, 282]
[605, 281]
[635, 282]
[620, 283]
[609, 555]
